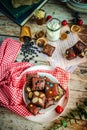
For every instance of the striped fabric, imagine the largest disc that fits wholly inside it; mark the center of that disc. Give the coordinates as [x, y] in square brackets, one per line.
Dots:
[11, 81]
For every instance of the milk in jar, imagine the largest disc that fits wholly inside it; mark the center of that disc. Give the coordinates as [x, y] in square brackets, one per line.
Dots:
[53, 29]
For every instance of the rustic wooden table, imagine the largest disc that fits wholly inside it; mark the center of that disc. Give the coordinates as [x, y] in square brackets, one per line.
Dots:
[78, 79]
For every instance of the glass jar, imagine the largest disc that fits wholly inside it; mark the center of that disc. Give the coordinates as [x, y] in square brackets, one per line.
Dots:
[53, 29]
[40, 16]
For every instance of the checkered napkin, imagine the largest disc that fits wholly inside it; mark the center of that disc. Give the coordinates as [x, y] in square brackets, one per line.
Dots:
[12, 78]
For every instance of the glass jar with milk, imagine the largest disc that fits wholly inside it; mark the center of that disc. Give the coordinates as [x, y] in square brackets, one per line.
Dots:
[53, 29]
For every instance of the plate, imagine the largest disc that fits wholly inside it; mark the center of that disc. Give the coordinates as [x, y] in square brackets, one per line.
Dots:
[52, 78]
[79, 3]
[76, 8]
[48, 115]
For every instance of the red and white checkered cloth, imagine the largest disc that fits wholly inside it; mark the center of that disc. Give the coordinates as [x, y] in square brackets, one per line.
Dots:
[11, 81]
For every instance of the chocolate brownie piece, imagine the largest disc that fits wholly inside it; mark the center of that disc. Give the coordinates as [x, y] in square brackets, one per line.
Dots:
[48, 49]
[80, 48]
[39, 99]
[61, 92]
[83, 37]
[50, 88]
[29, 79]
[84, 29]
[38, 83]
[33, 108]
[49, 102]
[70, 54]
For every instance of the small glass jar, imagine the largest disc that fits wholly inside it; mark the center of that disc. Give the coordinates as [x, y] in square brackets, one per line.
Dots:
[40, 16]
[53, 29]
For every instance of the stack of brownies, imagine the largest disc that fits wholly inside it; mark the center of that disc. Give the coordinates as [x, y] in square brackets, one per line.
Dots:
[41, 92]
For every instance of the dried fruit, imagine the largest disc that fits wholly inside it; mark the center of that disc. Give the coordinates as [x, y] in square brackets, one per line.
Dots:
[63, 36]
[40, 34]
[41, 42]
[75, 28]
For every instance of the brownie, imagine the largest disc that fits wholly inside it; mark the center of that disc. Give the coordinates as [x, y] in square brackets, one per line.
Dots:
[61, 92]
[49, 102]
[33, 108]
[29, 79]
[84, 29]
[70, 54]
[79, 48]
[48, 49]
[83, 37]
[39, 99]
[50, 88]
[38, 83]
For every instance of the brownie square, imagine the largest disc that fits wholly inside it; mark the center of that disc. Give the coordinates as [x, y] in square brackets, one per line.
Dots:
[49, 102]
[61, 92]
[33, 108]
[83, 37]
[29, 79]
[79, 48]
[50, 88]
[38, 83]
[39, 99]
[48, 49]
[70, 54]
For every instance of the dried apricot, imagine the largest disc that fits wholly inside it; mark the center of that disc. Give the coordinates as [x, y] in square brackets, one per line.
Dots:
[75, 28]
[63, 36]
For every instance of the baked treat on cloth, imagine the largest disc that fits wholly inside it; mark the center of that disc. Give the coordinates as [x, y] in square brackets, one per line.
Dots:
[83, 37]
[79, 49]
[39, 99]
[70, 54]
[53, 89]
[49, 102]
[61, 92]
[29, 79]
[48, 49]
[33, 108]
[38, 83]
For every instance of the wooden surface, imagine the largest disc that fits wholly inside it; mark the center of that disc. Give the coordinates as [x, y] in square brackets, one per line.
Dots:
[78, 79]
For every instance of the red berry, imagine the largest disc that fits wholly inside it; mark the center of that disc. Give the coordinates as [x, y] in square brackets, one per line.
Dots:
[49, 17]
[64, 22]
[80, 22]
[73, 55]
[59, 109]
